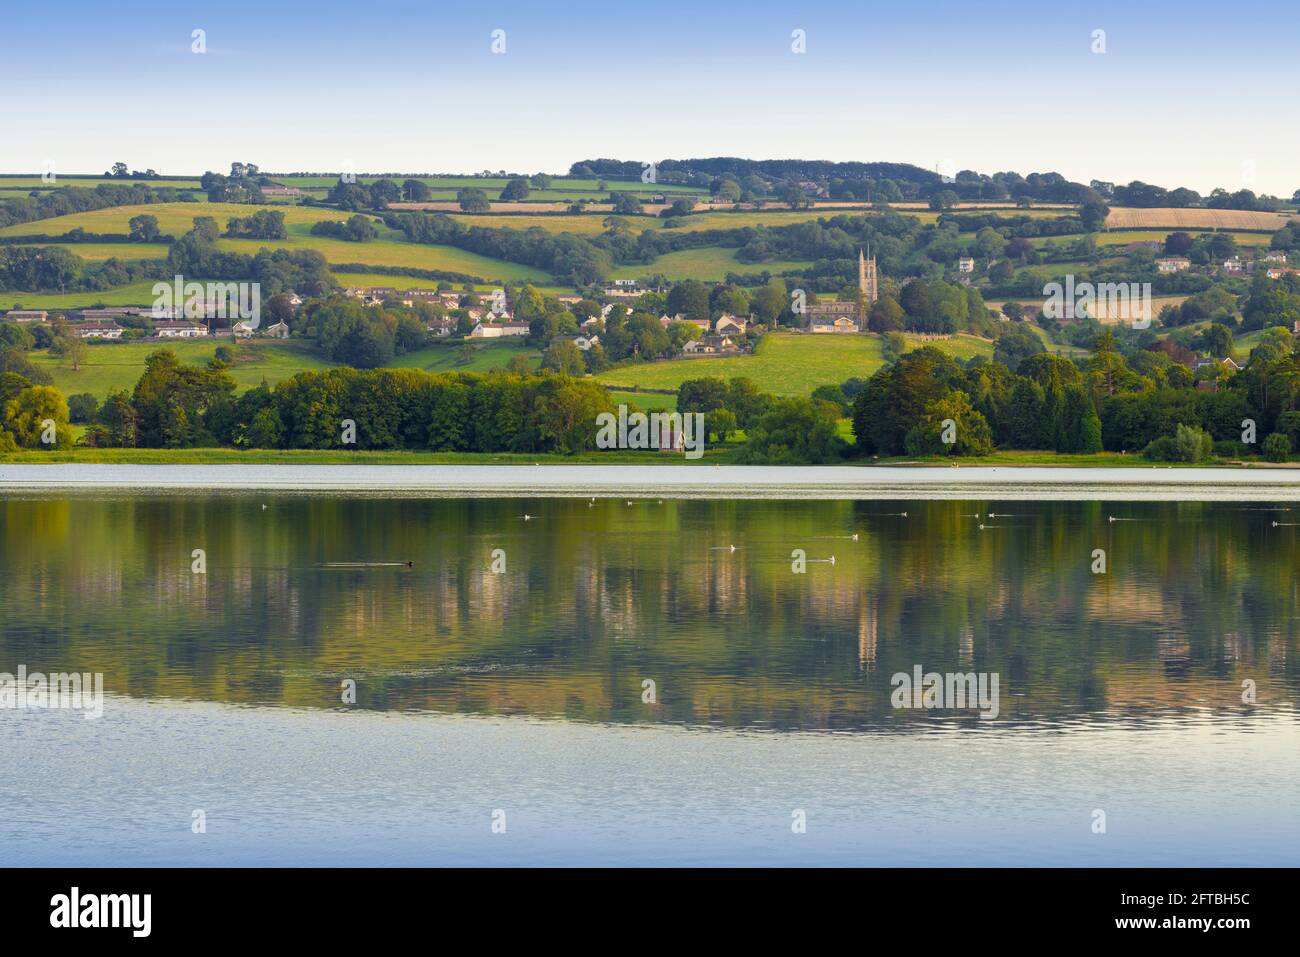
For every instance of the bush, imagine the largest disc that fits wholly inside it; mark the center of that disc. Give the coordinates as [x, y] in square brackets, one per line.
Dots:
[1277, 447]
[1187, 444]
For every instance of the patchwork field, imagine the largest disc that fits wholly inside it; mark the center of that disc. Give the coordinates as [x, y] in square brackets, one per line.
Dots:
[785, 363]
[1122, 217]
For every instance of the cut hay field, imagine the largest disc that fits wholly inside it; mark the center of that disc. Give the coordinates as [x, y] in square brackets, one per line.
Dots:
[785, 363]
[708, 263]
[1122, 217]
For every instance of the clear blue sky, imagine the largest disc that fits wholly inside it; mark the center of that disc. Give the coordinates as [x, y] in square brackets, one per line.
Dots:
[1195, 93]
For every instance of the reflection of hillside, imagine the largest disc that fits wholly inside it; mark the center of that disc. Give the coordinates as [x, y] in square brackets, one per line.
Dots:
[597, 597]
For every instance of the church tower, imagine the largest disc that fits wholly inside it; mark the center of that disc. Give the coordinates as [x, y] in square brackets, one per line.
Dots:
[867, 279]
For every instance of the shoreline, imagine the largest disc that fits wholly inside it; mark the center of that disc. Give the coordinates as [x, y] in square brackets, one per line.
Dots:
[680, 481]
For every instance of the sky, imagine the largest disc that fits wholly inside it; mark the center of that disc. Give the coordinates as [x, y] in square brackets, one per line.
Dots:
[1197, 94]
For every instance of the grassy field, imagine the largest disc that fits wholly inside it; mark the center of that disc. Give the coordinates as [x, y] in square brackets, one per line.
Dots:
[132, 294]
[785, 363]
[487, 357]
[98, 252]
[118, 365]
[713, 455]
[90, 182]
[1122, 237]
[173, 218]
[709, 263]
[396, 254]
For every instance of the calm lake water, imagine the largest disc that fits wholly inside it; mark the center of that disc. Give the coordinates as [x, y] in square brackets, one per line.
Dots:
[505, 671]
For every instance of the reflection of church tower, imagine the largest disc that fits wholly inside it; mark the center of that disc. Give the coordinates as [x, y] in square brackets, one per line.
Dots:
[867, 279]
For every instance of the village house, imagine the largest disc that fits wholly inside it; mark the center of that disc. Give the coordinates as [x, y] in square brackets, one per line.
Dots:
[728, 324]
[1277, 272]
[966, 264]
[704, 325]
[1275, 256]
[99, 330]
[27, 315]
[710, 345]
[1170, 264]
[279, 330]
[496, 330]
[591, 322]
[582, 342]
[441, 327]
[281, 192]
[242, 330]
[179, 329]
[1226, 362]
[825, 324]
[1234, 265]
[569, 300]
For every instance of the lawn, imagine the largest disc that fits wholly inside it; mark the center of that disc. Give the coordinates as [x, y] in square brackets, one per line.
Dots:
[785, 363]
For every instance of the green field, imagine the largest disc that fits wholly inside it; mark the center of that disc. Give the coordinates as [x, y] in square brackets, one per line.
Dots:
[445, 357]
[118, 365]
[709, 263]
[173, 218]
[785, 363]
[132, 294]
[1122, 237]
[98, 252]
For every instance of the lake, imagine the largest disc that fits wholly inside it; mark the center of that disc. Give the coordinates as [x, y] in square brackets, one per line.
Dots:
[366, 679]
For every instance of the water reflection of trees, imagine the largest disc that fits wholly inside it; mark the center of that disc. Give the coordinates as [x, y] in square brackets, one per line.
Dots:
[598, 597]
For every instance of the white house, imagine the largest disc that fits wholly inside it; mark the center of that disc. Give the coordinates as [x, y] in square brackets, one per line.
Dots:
[179, 329]
[1173, 264]
[965, 264]
[99, 330]
[825, 324]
